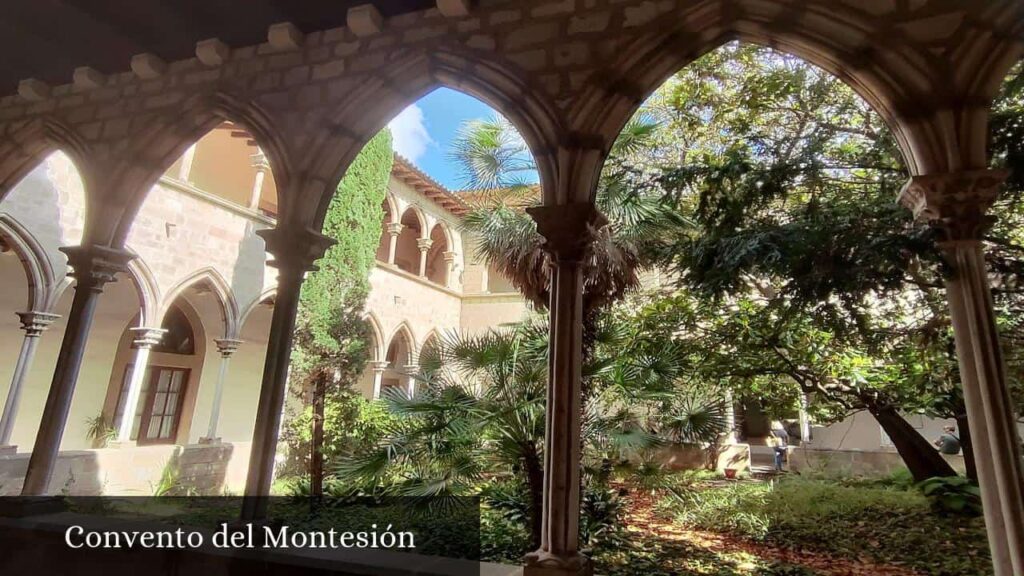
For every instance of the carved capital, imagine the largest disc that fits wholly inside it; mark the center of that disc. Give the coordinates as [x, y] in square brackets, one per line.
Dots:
[93, 266]
[294, 249]
[449, 257]
[35, 323]
[379, 365]
[260, 162]
[227, 346]
[954, 203]
[424, 244]
[146, 337]
[395, 228]
[568, 229]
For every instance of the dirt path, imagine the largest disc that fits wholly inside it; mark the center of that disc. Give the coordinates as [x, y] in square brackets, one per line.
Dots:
[641, 518]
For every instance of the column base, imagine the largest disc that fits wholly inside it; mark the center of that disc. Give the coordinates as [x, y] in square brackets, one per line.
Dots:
[542, 563]
[205, 440]
[22, 506]
[8, 450]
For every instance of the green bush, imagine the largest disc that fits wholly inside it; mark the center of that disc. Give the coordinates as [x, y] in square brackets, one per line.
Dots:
[953, 496]
[886, 524]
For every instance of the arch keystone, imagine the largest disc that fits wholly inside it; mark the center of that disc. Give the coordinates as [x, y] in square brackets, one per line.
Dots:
[364, 20]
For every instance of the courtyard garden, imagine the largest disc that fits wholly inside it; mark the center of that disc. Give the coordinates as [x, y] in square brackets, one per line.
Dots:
[754, 256]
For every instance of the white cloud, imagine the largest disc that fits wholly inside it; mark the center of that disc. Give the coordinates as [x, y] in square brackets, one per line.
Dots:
[411, 138]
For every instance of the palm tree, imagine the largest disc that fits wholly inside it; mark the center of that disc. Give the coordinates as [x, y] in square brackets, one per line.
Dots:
[495, 160]
[479, 415]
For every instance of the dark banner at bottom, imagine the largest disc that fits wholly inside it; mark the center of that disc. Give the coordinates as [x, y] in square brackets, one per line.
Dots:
[159, 536]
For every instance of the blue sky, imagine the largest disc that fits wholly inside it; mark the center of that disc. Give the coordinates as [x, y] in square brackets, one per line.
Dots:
[423, 132]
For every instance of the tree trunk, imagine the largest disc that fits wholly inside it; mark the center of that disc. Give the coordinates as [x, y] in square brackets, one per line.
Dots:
[535, 482]
[923, 460]
[316, 457]
[964, 429]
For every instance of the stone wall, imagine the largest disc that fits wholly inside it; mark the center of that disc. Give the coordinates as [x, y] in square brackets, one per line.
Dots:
[853, 462]
[209, 469]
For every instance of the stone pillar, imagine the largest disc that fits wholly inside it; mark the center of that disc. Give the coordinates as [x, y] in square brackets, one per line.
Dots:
[92, 267]
[394, 231]
[293, 251]
[805, 419]
[145, 339]
[567, 230]
[378, 376]
[410, 385]
[424, 245]
[226, 347]
[485, 278]
[260, 163]
[955, 205]
[449, 268]
[34, 324]
[730, 416]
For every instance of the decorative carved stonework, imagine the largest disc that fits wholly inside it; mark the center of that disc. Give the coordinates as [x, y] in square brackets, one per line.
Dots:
[35, 323]
[95, 266]
[227, 346]
[146, 337]
[449, 257]
[424, 244]
[294, 250]
[395, 228]
[955, 203]
[568, 229]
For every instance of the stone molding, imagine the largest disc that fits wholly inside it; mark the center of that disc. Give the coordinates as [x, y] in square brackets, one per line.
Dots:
[395, 228]
[146, 337]
[227, 346]
[424, 244]
[954, 204]
[35, 323]
[95, 266]
[294, 250]
[568, 229]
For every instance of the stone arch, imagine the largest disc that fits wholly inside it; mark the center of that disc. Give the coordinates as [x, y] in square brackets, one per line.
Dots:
[367, 108]
[40, 276]
[402, 333]
[24, 148]
[162, 143]
[267, 296]
[216, 282]
[414, 227]
[441, 242]
[897, 81]
[148, 290]
[378, 336]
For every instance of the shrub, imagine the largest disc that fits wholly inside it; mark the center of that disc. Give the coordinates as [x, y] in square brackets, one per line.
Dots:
[952, 496]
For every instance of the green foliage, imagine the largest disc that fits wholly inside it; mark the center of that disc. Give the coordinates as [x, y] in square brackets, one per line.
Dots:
[884, 524]
[99, 431]
[332, 340]
[953, 496]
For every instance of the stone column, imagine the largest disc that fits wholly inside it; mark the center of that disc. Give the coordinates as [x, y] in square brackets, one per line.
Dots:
[394, 231]
[260, 163]
[955, 205]
[410, 384]
[449, 268]
[92, 267]
[226, 347]
[379, 367]
[34, 324]
[424, 245]
[805, 419]
[730, 416]
[293, 251]
[185, 169]
[567, 230]
[145, 339]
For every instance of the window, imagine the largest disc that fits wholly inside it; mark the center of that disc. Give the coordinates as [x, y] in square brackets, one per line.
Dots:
[158, 413]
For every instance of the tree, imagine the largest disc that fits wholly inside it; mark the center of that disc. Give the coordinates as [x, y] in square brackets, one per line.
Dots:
[493, 157]
[789, 181]
[332, 339]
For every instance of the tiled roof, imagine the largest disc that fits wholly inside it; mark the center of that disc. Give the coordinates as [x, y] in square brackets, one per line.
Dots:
[407, 172]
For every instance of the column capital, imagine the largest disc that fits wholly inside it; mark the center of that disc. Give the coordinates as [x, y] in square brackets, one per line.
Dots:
[568, 229]
[227, 346]
[146, 337]
[294, 249]
[395, 228]
[954, 203]
[94, 266]
[424, 244]
[449, 256]
[379, 365]
[35, 323]
[259, 161]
